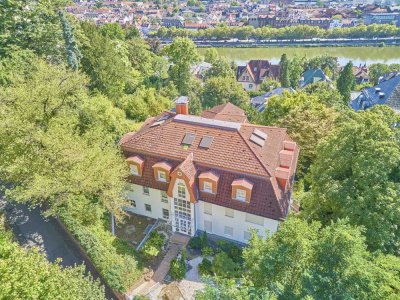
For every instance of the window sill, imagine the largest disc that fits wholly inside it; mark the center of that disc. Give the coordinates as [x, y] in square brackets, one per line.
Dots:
[208, 192]
[240, 200]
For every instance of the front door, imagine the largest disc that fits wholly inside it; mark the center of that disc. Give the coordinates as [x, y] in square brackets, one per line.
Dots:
[184, 226]
[182, 210]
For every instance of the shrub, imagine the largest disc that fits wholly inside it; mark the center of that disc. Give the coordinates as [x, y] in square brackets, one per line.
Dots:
[223, 266]
[207, 251]
[231, 249]
[153, 245]
[115, 262]
[198, 242]
[205, 267]
[178, 268]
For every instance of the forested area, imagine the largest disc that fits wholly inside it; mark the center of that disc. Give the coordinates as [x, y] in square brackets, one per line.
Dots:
[69, 90]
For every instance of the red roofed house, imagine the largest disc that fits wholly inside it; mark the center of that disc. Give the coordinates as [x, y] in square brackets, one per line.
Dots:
[216, 173]
[255, 72]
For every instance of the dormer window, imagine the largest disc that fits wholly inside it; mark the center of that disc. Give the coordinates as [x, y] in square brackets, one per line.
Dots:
[162, 171]
[134, 170]
[241, 190]
[162, 176]
[135, 164]
[207, 187]
[240, 195]
[208, 182]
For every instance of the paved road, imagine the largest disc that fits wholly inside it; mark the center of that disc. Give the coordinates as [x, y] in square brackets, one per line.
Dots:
[31, 229]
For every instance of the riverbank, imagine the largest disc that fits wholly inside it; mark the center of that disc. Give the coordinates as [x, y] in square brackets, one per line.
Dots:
[307, 43]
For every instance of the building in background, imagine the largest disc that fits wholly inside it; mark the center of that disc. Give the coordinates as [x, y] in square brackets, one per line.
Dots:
[252, 75]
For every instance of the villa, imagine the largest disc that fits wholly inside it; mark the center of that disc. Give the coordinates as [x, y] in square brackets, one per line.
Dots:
[215, 172]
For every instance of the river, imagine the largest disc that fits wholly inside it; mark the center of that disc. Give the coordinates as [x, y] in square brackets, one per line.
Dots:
[358, 55]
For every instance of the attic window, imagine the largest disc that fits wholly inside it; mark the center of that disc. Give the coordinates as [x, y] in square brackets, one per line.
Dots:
[188, 139]
[206, 141]
[258, 137]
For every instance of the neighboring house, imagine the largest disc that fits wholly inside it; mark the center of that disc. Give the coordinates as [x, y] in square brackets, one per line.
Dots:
[255, 72]
[199, 70]
[261, 101]
[386, 92]
[312, 76]
[361, 73]
[209, 174]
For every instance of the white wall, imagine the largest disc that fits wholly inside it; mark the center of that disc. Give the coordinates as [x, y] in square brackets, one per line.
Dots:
[238, 222]
[135, 192]
[246, 86]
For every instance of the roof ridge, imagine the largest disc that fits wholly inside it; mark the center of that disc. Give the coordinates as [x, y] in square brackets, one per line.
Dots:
[264, 126]
[252, 151]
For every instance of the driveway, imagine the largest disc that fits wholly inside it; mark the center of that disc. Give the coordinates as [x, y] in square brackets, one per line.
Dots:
[32, 229]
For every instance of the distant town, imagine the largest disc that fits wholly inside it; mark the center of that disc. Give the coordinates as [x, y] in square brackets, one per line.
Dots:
[149, 17]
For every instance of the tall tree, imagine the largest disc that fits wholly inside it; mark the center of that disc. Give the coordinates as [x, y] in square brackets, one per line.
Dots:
[356, 176]
[182, 53]
[26, 274]
[220, 90]
[34, 25]
[107, 64]
[73, 53]
[47, 154]
[285, 72]
[302, 260]
[346, 82]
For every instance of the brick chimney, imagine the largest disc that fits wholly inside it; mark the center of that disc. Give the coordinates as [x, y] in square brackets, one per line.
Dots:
[282, 173]
[182, 105]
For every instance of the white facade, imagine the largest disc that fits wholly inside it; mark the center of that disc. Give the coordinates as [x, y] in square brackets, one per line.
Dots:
[231, 224]
[186, 217]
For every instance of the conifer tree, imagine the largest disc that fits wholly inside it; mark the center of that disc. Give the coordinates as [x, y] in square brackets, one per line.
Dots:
[285, 73]
[346, 82]
[73, 53]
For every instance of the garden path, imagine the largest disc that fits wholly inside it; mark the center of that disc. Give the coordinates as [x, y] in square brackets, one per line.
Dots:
[177, 242]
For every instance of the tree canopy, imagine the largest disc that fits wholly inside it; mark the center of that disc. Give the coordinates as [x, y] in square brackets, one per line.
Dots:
[26, 274]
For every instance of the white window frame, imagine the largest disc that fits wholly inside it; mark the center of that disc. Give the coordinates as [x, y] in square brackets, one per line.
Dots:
[241, 197]
[228, 228]
[134, 170]
[147, 193]
[181, 190]
[207, 187]
[165, 213]
[147, 206]
[164, 197]
[162, 176]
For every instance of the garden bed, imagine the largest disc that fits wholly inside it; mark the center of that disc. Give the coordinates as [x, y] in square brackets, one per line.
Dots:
[134, 229]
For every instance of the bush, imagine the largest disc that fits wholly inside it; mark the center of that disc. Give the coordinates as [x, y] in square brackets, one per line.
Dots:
[224, 266]
[198, 242]
[231, 249]
[205, 267]
[115, 262]
[153, 245]
[207, 251]
[178, 268]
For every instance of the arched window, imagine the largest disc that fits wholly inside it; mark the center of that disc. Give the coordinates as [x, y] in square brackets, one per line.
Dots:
[181, 190]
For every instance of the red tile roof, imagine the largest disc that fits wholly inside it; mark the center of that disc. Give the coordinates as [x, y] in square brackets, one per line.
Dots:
[258, 70]
[226, 112]
[231, 156]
